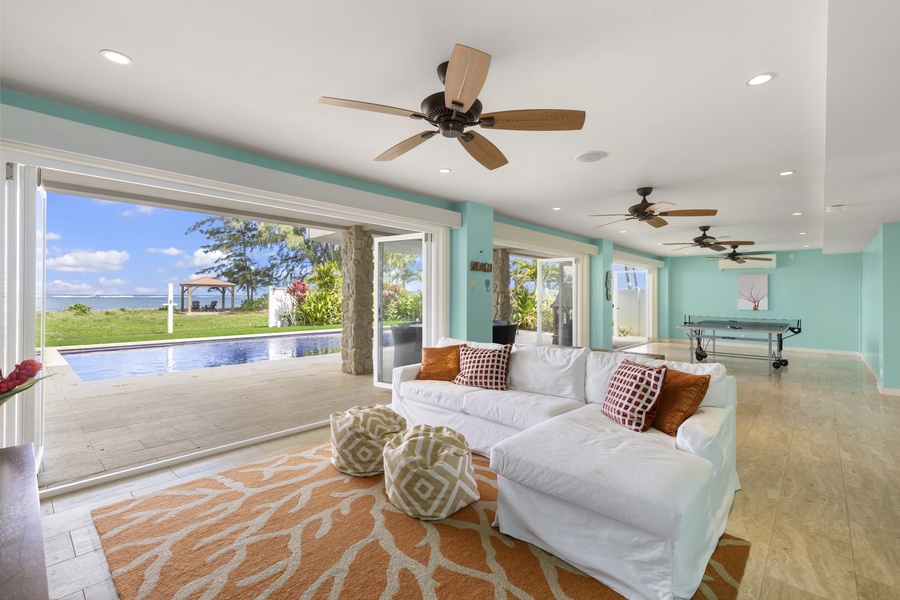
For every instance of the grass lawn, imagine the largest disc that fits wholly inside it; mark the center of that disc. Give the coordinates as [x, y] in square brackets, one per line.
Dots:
[65, 328]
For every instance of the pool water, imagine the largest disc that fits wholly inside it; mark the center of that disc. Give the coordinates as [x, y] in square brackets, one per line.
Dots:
[109, 363]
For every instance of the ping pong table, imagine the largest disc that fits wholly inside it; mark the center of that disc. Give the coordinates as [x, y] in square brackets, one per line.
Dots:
[718, 328]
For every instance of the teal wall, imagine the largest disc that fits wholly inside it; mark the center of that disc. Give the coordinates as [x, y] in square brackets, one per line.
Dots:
[600, 309]
[871, 294]
[471, 298]
[821, 290]
[890, 300]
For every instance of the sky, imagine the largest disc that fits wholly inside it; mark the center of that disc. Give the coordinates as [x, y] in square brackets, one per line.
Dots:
[112, 248]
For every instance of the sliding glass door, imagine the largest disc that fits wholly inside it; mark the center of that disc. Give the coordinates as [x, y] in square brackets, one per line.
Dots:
[401, 302]
[556, 297]
[631, 305]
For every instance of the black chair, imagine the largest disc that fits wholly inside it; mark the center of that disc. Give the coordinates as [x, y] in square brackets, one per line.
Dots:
[407, 344]
[195, 305]
[505, 334]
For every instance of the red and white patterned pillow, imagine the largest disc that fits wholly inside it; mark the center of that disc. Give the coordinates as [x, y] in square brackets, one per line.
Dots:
[633, 395]
[483, 367]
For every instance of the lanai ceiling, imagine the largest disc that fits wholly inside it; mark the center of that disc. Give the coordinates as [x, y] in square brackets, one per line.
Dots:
[663, 85]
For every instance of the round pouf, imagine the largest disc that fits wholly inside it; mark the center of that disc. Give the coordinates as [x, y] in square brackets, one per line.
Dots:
[358, 437]
[428, 472]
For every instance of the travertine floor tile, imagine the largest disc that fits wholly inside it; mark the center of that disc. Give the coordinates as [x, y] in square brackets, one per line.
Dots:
[876, 553]
[812, 563]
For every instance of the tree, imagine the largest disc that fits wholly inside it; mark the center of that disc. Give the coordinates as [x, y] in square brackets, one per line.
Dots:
[238, 243]
[296, 256]
[754, 289]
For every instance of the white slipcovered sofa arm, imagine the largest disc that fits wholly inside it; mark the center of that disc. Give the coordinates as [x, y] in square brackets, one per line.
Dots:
[398, 376]
[705, 435]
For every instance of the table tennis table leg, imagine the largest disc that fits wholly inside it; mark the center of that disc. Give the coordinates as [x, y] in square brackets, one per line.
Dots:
[770, 355]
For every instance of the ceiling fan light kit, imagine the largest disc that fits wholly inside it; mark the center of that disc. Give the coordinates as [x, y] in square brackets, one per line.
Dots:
[456, 109]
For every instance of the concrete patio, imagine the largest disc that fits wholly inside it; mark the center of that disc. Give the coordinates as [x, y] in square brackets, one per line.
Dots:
[95, 428]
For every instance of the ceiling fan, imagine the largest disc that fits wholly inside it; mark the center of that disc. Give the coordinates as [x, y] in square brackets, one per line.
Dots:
[705, 240]
[457, 108]
[737, 257]
[652, 213]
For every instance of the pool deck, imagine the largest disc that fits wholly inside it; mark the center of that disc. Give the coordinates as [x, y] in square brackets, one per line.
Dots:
[95, 428]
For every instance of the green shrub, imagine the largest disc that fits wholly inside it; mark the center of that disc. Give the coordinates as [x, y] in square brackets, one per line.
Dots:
[322, 304]
[79, 309]
[261, 303]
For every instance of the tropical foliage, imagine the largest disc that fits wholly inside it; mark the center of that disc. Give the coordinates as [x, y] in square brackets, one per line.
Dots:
[318, 300]
[398, 302]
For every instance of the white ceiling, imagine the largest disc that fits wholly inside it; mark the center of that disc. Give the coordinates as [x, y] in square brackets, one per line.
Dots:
[663, 85]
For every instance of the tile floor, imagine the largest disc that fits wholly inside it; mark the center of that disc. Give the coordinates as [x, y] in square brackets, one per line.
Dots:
[818, 457]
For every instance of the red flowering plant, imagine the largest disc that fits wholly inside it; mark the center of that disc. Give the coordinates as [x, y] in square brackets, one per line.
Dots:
[21, 378]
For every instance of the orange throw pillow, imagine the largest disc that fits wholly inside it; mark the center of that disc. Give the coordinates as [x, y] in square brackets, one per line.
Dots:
[681, 396]
[441, 364]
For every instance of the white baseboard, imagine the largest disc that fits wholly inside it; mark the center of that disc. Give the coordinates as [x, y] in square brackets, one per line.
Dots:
[881, 388]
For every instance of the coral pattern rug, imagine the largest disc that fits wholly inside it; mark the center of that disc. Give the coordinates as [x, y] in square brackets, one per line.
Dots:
[295, 527]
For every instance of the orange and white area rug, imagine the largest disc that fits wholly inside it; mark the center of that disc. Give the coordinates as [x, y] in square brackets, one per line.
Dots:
[295, 527]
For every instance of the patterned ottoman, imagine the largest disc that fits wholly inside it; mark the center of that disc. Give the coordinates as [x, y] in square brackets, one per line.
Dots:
[428, 472]
[358, 437]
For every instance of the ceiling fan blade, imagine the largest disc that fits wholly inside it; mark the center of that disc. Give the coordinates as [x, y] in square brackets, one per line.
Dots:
[718, 248]
[755, 258]
[613, 215]
[534, 120]
[695, 212]
[405, 146]
[482, 150]
[741, 243]
[658, 206]
[611, 222]
[657, 222]
[380, 108]
[465, 77]
[685, 244]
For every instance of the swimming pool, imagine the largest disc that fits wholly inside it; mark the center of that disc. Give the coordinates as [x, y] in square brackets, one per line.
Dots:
[108, 363]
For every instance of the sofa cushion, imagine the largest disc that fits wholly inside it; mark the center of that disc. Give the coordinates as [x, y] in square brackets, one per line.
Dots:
[599, 369]
[585, 458]
[445, 341]
[483, 367]
[716, 395]
[551, 370]
[516, 409]
[633, 395]
[440, 364]
[680, 398]
[436, 393]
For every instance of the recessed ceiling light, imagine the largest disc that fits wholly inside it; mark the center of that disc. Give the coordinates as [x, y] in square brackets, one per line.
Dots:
[592, 156]
[444, 170]
[557, 208]
[806, 245]
[761, 79]
[802, 233]
[796, 214]
[116, 57]
[623, 231]
[786, 173]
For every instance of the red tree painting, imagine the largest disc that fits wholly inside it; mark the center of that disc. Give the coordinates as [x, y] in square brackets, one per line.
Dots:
[753, 292]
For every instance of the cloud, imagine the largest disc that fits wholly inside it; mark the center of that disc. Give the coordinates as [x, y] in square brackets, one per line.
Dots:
[88, 261]
[144, 290]
[58, 286]
[170, 251]
[138, 211]
[53, 236]
[201, 259]
[112, 282]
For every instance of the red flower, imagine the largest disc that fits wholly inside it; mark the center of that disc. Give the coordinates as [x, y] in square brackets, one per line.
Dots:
[21, 378]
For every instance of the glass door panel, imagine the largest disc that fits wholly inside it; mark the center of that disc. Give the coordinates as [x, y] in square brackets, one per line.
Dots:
[631, 306]
[400, 275]
[555, 301]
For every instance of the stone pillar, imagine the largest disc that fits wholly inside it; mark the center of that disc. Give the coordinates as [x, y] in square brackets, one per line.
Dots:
[358, 258]
[501, 284]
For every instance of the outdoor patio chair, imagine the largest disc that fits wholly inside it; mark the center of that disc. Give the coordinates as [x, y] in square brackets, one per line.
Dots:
[195, 305]
[211, 306]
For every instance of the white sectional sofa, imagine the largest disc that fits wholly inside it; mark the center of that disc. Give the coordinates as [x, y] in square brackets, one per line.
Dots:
[641, 512]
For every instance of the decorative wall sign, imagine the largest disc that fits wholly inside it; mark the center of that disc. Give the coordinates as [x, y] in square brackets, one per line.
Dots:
[481, 265]
[753, 292]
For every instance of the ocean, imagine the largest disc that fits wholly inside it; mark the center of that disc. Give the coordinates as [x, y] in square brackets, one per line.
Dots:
[100, 303]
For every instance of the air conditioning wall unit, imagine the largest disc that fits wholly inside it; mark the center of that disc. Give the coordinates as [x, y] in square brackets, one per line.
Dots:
[729, 265]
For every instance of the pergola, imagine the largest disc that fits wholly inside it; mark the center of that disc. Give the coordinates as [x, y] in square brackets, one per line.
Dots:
[207, 282]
